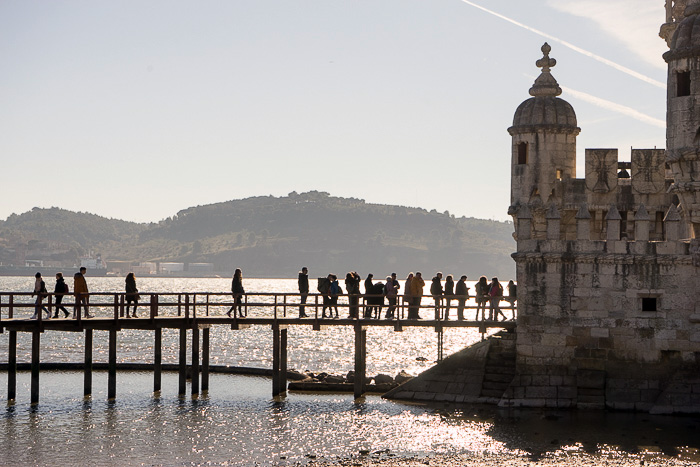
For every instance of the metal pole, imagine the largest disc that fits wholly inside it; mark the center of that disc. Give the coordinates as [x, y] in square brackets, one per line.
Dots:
[205, 359]
[157, 359]
[112, 365]
[36, 341]
[12, 367]
[87, 375]
[195, 360]
[182, 387]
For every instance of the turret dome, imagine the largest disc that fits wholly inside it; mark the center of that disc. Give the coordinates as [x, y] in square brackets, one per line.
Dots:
[545, 110]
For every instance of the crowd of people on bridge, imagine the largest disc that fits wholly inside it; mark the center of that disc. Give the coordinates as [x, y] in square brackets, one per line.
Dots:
[376, 295]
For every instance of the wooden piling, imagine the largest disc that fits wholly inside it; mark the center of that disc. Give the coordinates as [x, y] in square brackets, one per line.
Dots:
[360, 359]
[195, 360]
[275, 359]
[12, 367]
[112, 365]
[157, 359]
[182, 387]
[87, 375]
[205, 359]
[36, 346]
[283, 362]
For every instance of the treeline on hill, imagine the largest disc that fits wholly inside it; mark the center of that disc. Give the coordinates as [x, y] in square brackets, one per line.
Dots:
[273, 237]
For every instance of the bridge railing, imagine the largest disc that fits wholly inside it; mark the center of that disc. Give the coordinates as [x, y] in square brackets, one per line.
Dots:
[262, 305]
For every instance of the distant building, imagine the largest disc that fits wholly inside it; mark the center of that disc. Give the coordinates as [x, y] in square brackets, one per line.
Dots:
[169, 268]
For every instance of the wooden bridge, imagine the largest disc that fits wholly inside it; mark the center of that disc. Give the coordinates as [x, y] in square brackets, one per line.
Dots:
[198, 312]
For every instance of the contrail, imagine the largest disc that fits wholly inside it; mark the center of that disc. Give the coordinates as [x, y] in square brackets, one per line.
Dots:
[610, 63]
[619, 108]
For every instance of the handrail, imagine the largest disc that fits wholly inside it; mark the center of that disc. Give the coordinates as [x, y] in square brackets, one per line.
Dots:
[262, 304]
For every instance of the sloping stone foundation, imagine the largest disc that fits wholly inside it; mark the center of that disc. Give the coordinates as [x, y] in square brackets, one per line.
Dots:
[479, 373]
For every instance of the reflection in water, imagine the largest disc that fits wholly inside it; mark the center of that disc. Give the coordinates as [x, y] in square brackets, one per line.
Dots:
[238, 423]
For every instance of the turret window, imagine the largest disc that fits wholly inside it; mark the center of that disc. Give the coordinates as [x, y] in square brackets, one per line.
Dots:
[522, 153]
[682, 83]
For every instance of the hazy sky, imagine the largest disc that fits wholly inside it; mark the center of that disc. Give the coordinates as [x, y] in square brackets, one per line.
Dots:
[137, 109]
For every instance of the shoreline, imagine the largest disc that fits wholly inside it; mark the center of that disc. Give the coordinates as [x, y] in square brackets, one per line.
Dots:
[575, 459]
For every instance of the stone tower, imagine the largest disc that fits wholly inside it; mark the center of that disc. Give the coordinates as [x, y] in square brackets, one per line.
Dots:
[543, 145]
[683, 117]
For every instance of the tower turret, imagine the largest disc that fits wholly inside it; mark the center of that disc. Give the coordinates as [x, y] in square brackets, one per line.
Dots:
[544, 142]
[682, 116]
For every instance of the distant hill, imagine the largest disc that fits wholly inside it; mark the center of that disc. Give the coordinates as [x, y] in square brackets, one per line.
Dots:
[273, 237]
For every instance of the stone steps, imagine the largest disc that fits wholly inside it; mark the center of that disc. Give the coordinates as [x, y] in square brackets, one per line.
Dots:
[500, 365]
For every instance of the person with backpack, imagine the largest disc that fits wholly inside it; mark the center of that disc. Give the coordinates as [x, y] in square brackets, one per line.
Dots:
[335, 291]
[495, 295]
[59, 291]
[482, 294]
[40, 292]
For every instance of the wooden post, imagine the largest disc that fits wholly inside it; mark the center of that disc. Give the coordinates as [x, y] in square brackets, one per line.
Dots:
[205, 359]
[283, 361]
[360, 359]
[275, 359]
[87, 376]
[12, 367]
[157, 359]
[112, 365]
[182, 387]
[195, 360]
[36, 341]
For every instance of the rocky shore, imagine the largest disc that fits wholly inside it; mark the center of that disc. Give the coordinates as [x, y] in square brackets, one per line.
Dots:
[380, 383]
[504, 460]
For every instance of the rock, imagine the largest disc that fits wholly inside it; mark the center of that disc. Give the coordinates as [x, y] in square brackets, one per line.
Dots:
[334, 379]
[402, 377]
[383, 379]
[321, 376]
[421, 359]
[350, 377]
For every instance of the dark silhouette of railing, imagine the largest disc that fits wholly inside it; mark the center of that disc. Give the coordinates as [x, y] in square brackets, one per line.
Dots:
[199, 311]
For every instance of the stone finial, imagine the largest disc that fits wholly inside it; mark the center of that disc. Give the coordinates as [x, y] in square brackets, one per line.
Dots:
[612, 219]
[583, 212]
[641, 214]
[672, 215]
[583, 223]
[545, 84]
[641, 224]
[672, 223]
[613, 214]
[552, 212]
